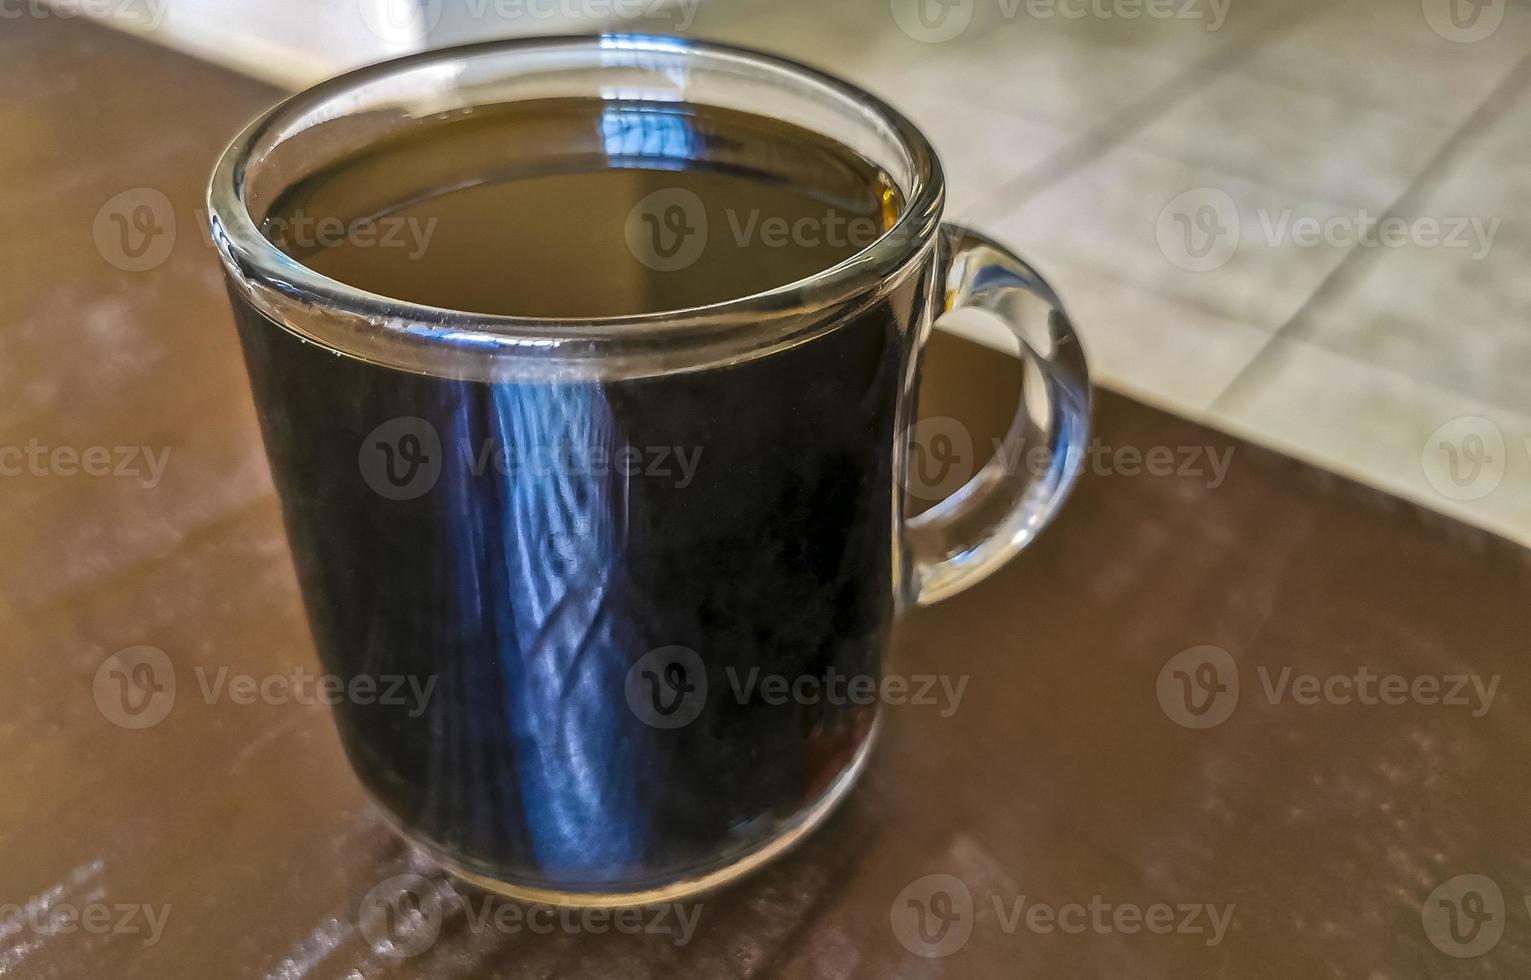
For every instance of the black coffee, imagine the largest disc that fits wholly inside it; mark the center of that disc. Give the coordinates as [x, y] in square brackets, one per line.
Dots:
[523, 548]
[581, 208]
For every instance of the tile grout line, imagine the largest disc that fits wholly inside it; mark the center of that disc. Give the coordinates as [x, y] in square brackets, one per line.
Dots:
[1134, 117]
[1494, 106]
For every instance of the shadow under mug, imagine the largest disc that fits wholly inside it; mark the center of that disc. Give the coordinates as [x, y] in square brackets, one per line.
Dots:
[594, 640]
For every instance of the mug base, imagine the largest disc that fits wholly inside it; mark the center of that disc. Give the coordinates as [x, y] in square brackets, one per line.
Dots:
[789, 835]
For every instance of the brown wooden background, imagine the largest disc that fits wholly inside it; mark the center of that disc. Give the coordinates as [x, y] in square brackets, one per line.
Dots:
[1062, 776]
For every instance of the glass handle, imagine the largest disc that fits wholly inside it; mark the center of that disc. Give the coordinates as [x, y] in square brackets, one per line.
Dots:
[987, 521]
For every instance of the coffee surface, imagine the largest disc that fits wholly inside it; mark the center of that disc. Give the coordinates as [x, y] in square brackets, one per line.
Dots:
[585, 208]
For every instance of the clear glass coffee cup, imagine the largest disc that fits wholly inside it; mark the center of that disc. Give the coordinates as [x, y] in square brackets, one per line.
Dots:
[585, 632]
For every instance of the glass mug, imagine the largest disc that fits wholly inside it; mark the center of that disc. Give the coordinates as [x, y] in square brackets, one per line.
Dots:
[582, 630]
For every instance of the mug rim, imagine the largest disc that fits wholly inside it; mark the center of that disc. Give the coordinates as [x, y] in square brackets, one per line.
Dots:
[388, 330]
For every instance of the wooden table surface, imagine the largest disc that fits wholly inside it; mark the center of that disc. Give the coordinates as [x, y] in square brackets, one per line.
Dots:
[1098, 803]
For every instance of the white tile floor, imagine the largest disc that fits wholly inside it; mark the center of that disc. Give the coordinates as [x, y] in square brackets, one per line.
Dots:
[1196, 178]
